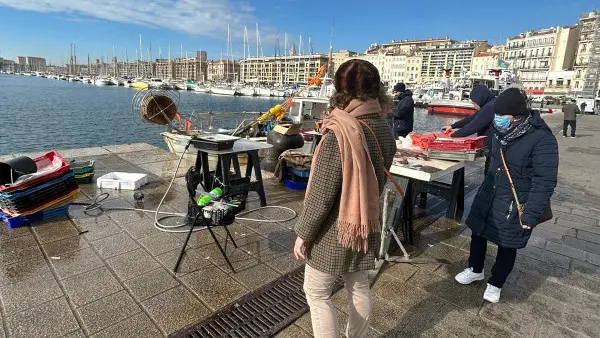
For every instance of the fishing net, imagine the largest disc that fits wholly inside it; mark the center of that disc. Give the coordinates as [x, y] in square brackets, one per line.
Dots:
[158, 109]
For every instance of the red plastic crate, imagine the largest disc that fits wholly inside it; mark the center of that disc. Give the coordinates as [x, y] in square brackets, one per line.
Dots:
[49, 166]
[441, 141]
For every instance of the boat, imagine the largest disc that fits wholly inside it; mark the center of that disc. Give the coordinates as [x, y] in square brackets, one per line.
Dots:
[451, 107]
[191, 85]
[247, 91]
[102, 82]
[262, 91]
[127, 83]
[180, 86]
[223, 90]
[139, 84]
[156, 83]
[201, 89]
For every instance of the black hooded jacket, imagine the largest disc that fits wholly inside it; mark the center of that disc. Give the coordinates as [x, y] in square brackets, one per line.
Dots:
[404, 113]
[479, 123]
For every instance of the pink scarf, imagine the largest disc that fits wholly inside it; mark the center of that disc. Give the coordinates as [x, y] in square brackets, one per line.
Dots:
[359, 202]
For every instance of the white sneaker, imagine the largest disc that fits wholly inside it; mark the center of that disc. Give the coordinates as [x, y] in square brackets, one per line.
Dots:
[492, 294]
[468, 276]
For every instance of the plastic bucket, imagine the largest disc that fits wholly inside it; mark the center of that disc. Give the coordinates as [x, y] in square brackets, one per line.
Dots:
[12, 169]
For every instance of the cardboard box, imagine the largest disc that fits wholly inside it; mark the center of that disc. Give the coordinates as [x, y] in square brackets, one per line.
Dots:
[287, 129]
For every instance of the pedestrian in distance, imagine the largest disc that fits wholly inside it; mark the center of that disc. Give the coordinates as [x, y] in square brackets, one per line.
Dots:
[515, 194]
[480, 122]
[339, 230]
[570, 110]
[404, 111]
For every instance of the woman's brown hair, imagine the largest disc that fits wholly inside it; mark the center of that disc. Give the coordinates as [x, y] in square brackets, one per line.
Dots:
[358, 79]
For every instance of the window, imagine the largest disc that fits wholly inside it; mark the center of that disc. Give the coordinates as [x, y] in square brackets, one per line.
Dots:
[550, 82]
[576, 84]
[583, 47]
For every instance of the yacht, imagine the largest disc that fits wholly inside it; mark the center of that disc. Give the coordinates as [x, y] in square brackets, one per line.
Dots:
[139, 84]
[201, 89]
[223, 90]
[247, 91]
[127, 83]
[262, 91]
[102, 82]
[156, 83]
[180, 86]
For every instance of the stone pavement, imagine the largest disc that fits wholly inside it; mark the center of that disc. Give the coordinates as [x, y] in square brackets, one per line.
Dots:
[554, 290]
[111, 275]
[116, 280]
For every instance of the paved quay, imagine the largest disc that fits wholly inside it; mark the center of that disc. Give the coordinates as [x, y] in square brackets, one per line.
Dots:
[116, 280]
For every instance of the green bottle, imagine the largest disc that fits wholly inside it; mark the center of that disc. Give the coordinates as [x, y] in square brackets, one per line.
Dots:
[214, 194]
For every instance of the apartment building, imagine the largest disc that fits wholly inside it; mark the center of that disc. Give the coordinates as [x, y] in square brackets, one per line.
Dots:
[589, 37]
[339, 57]
[536, 54]
[412, 69]
[408, 46]
[484, 61]
[456, 56]
[30, 64]
[281, 69]
[223, 70]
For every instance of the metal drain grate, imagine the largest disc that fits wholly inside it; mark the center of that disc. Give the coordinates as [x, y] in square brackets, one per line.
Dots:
[261, 313]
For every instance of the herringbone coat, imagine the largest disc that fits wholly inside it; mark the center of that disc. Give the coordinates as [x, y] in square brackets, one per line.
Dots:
[318, 222]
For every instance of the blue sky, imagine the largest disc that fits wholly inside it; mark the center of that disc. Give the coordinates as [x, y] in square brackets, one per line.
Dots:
[47, 27]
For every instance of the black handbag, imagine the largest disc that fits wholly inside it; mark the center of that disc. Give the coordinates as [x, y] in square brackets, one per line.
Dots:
[546, 215]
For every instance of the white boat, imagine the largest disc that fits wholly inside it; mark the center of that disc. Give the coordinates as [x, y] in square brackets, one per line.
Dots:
[86, 80]
[262, 91]
[180, 86]
[201, 89]
[223, 90]
[177, 143]
[127, 83]
[73, 79]
[156, 83]
[247, 91]
[102, 82]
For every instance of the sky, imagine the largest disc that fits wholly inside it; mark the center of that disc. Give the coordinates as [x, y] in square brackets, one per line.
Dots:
[47, 27]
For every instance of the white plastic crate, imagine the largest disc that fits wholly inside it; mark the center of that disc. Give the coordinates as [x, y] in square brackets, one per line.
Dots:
[122, 181]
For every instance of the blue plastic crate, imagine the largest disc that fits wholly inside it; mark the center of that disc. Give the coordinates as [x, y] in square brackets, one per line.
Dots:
[19, 221]
[299, 172]
[295, 185]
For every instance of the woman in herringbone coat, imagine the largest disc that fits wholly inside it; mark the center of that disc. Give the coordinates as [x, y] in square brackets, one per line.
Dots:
[338, 231]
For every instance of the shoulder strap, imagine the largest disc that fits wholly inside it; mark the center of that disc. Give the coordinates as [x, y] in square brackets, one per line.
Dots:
[387, 173]
[512, 186]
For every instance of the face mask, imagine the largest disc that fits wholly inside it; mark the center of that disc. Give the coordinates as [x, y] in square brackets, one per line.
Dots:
[502, 122]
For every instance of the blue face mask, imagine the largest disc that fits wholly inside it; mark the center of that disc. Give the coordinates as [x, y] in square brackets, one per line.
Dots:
[502, 122]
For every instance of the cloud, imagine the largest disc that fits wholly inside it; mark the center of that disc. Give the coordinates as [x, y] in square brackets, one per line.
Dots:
[207, 18]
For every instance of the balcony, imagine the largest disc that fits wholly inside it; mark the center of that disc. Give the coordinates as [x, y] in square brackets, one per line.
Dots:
[581, 64]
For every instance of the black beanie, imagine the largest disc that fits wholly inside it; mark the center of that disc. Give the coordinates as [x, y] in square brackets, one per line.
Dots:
[400, 87]
[511, 102]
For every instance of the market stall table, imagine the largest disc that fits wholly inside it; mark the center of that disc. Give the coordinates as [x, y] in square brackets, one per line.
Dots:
[224, 160]
[419, 177]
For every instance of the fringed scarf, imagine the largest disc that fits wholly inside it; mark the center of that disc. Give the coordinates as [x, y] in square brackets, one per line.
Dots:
[359, 202]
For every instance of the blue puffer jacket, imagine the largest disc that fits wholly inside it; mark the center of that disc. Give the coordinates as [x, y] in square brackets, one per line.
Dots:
[532, 161]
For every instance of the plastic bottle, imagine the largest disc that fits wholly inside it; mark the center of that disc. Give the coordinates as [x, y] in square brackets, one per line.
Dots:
[214, 194]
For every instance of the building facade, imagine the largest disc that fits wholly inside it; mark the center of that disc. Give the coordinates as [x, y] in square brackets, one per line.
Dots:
[223, 70]
[483, 62]
[30, 64]
[287, 70]
[339, 57]
[588, 37]
[412, 69]
[456, 56]
[408, 46]
[535, 54]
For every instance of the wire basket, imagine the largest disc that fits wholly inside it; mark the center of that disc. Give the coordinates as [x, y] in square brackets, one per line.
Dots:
[155, 106]
[234, 196]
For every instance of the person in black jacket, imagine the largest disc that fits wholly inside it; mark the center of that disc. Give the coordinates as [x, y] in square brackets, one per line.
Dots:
[404, 111]
[479, 123]
[531, 154]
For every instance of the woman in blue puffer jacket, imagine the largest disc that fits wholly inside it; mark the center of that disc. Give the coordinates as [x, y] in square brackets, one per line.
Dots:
[531, 154]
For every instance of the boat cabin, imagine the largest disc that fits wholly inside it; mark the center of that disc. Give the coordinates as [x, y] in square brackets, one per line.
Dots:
[308, 108]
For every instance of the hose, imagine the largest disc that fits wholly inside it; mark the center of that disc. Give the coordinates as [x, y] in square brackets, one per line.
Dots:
[96, 204]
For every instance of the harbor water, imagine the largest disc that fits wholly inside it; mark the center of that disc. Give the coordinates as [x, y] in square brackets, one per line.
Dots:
[40, 114]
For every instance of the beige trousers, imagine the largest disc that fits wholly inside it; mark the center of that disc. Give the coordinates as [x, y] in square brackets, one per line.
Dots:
[318, 288]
